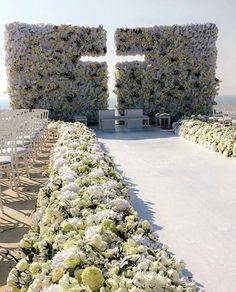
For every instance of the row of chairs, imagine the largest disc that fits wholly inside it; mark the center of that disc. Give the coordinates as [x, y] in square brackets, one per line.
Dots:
[223, 118]
[22, 136]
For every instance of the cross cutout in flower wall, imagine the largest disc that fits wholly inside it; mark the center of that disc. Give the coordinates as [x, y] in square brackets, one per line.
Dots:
[112, 59]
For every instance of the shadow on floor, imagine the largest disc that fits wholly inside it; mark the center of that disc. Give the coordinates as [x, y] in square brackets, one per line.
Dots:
[6, 265]
[16, 221]
[144, 208]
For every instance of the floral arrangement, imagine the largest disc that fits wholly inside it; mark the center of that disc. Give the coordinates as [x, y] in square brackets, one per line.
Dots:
[213, 136]
[178, 75]
[86, 235]
[44, 69]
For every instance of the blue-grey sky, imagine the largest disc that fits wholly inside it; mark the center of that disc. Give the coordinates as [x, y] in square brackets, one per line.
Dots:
[130, 13]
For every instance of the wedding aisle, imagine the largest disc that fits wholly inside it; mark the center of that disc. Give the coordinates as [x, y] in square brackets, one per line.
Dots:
[189, 195]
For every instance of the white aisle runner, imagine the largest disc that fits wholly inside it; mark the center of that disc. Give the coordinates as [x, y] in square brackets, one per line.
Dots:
[189, 195]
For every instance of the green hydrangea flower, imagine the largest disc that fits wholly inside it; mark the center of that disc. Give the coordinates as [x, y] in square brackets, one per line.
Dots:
[92, 277]
[108, 224]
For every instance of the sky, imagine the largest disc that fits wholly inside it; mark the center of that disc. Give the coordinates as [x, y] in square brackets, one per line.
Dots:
[112, 14]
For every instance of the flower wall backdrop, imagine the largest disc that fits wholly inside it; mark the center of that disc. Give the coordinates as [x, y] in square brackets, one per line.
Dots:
[44, 69]
[178, 75]
[86, 235]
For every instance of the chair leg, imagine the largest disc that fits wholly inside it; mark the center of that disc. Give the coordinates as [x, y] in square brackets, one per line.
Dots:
[10, 179]
[1, 204]
[41, 139]
[45, 136]
[16, 162]
[31, 154]
[34, 151]
[17, 173]
[26, 165]
[41, 142]
[14, 179]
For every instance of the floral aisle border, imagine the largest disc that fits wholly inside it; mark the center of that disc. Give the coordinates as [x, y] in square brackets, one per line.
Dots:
[178, 75]
[87, 236]
[44, 69]
[212, 136]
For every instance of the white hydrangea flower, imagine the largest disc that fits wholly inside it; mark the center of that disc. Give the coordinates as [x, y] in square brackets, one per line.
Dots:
[53, 288]
[67, 174]
[36, 217]
[67, 195]
[101, 215]
[120, 204]
[111, 184]
[58, 259]
[91, 231]
[97, 172]
[59, 163]
[139, 238]
[73, 187]
[95, 190]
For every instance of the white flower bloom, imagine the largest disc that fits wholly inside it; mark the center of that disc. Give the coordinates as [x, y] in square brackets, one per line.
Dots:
[73, 187]
[111, 184]
[139, 238]
[97, 242]
[59, 163]
[101, 215]
[90, 232]
[120, 204]
[53, 288]
[74, 220]
[97, 156]
[97, 172]
[58, 259]
[73, 145]
[95, 190]
[67, 195]
[36, 217]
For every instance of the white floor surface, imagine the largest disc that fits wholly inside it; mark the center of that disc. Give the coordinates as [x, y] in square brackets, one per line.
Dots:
[189, 195]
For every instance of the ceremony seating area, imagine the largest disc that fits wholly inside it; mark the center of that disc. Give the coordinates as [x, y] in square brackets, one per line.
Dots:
[22, 136]
[226, 119]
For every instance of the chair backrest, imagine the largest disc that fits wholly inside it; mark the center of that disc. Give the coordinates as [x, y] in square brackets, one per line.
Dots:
[46, 114]
[21, 122]
[134, 112]
[42, 113]
[219, 115]
[103, 114]
[164, 115]
[7, 143]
